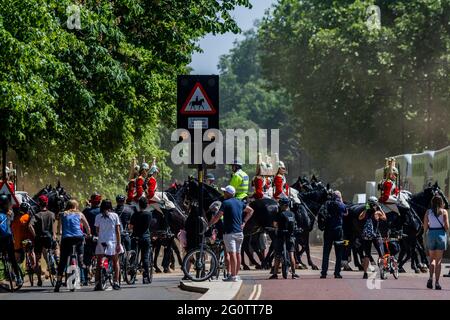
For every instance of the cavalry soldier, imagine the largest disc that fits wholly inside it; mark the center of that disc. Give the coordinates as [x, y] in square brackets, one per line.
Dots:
[239, 180]
[280, 183]
[389, 189]
[131, 187]
[141, 182]
[258, 183]
[152, 183]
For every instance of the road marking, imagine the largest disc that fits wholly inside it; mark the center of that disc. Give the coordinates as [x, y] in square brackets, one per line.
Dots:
[253, 292]
[256, 292]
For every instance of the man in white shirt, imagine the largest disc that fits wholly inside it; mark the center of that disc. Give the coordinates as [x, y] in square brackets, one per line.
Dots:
[107, 224]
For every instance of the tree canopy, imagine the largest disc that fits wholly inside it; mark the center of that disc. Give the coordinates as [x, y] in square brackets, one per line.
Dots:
[81, 103]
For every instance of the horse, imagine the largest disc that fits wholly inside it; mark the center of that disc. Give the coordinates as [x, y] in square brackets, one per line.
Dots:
[57, 199]
[419, 204]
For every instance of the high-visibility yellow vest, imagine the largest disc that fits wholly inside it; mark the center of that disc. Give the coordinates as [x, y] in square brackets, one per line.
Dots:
[240, 182]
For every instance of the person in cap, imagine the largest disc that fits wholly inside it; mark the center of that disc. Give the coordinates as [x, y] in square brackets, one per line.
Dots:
[333, 233]
[280, 184]
[90, 213]
[233, 224]
[6, 236]
[285, 227]
[239, 180]
[45, 230]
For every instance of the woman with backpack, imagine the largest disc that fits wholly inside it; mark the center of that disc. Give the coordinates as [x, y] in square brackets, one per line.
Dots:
[436, 223]
[371, 216]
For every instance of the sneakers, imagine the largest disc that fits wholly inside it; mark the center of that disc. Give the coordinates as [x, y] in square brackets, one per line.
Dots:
[231, 279]
[430, 284]
[323, 276]
[337, 276]
[116, 286]
[145, 280]
[365, 276]
[98, 287]
[295, 276]
[57, 286]
[274, 276]
[19, 281]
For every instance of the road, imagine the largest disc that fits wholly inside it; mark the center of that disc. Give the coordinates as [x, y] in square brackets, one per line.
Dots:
[163, 287]
[256, 286]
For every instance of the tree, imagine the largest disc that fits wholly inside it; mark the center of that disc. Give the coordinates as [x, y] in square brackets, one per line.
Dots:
[80, 104]
[361, 94]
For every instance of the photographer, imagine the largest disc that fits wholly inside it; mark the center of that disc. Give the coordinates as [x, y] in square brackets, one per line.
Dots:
[285, 226]
[371, 234]
[333, 233]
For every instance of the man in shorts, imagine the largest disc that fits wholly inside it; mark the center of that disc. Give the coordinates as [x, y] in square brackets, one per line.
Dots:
[234, 224]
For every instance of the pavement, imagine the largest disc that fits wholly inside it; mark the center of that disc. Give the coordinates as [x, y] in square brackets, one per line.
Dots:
[214, 289]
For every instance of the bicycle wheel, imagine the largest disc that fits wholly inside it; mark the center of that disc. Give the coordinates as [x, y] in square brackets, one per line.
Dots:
[104, 278]
[29, 270]
[394, 267]
[383, 275]
[131, 262]
[200, 265]
[51, 266]
[150, 267]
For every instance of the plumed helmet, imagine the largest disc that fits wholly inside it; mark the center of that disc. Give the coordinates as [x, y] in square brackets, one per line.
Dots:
[145, 166]
[153, 169]
[120, 198]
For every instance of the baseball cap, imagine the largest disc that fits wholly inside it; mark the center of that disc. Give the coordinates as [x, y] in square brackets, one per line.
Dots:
[229, 189]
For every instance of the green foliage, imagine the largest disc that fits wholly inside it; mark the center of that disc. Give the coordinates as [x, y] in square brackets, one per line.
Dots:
[361, 94]
[80, 104]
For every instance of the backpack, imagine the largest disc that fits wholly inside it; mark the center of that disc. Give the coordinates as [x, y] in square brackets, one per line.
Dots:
[322, 217]
[291, 224]
[4, 229]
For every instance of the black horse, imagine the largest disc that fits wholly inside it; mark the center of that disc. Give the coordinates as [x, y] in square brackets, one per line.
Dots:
[57, 199]
[414, 242]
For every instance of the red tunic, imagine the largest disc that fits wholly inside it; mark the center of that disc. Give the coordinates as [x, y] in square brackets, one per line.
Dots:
[151, 189]
[131, 190]
[389, 188]
[281, 186]
[258, 183]
[140, 182]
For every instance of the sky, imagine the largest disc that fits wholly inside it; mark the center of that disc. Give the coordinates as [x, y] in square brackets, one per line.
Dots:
[215, 46]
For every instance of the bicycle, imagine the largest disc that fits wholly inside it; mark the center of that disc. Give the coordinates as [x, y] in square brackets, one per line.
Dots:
[52, 266]
[134, 263]
[204, 262]
[388, 263]
[8, 272]
[218, 247]
[72, 273]
[27, 246]
[106, 269]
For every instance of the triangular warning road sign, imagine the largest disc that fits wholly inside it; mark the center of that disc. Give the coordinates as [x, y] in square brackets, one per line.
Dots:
[5, 188]
[198, 102]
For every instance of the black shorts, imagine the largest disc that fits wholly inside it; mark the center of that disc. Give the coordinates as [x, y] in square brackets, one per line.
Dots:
[41, 243]
[290, 245]
[367, 247]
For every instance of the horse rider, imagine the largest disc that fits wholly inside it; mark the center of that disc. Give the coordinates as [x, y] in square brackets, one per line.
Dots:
[280, 184]
[210, 180]
[389, 190]
[141, 182]
[239, 180]
[131, 187]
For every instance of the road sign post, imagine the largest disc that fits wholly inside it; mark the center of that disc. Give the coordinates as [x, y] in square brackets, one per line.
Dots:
[198, 108]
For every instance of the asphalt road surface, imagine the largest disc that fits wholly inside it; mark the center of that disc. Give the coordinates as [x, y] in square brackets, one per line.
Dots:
[163, 287]
[256, 286]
